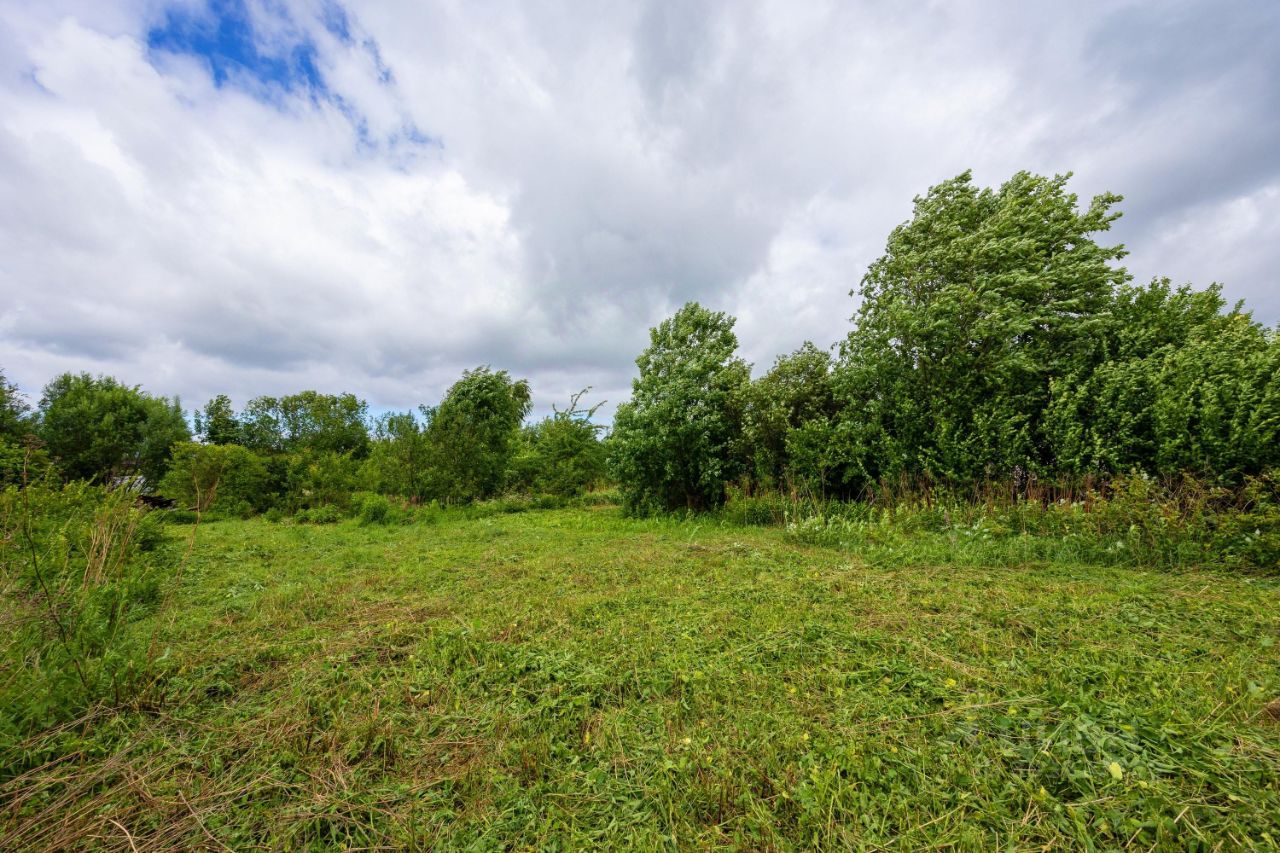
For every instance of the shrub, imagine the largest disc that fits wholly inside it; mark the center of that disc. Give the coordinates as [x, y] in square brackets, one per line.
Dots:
[323, 514]
[373, 508]
[80, 563]
[225, 478]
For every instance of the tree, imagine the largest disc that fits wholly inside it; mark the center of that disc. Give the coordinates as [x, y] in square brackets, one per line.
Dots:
[978, 304]
[226, 477]
[473, 434]
[676, 442]
[308, 420]
[100, 429]
[399, 456]
[216, 423]
[795, 393]
[15, 426]
[14, 411]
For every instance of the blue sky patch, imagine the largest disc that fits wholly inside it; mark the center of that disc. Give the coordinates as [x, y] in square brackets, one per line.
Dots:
[222, 35]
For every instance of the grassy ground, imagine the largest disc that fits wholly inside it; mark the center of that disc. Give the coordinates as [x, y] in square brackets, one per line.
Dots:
[571, 679]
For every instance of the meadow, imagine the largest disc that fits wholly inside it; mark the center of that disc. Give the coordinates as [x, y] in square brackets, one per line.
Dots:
[576, 679]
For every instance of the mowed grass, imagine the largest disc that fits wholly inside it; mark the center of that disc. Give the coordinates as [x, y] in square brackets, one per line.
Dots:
[572, 679]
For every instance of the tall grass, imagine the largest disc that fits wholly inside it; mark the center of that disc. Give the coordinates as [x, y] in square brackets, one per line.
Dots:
[1126, 521]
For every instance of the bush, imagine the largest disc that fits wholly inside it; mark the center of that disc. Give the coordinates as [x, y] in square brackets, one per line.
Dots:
[1135, 521]
[224, 478]
[80, 564]
[373, 508]
[323, 514]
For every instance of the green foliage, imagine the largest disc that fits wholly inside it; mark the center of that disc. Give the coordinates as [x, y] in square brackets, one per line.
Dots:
[1135, 522]
[80, 563]
[320, 514]
[307, 421]
[18, 453]
[979, 302]
[98, 429]
[400, 455]
[473, 435]
[317, 478]
[217, 423]
[561, 454]
[787, 423]
[224, 478]
[677, 442]
[371, 508]
[15, 413]
[579, 680]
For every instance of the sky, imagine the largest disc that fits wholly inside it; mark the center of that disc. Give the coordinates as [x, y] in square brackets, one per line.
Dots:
[263, 196]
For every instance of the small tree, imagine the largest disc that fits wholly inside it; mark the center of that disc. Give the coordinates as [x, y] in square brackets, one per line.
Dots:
[677, 442]
[400, 455]
[563, 454]
[226, 477]
[216, 423]
[473, 434]
[795, 393]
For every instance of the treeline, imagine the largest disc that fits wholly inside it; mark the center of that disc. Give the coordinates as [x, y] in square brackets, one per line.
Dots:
[997, 340]
[305, 451]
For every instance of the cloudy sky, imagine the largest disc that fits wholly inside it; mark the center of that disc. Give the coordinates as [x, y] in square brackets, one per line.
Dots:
[261, 196]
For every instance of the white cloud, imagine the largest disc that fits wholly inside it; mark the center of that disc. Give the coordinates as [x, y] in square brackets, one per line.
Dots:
[590, 169]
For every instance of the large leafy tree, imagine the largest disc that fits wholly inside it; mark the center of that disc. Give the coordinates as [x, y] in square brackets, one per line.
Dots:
[306, 421]
[473, 434]
[980, 301]
[677, 442]
[97, 428]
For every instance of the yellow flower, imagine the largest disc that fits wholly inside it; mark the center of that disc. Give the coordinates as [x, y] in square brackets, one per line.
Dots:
[1115, 770]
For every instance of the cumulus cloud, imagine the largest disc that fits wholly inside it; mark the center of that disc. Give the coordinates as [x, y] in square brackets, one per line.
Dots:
[246, 197]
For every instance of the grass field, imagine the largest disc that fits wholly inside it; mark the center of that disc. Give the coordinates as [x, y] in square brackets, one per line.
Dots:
[571, 679]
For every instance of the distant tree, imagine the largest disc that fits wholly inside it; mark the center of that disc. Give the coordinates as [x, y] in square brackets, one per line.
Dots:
[15, 413]
[676, 443]
[97, 428]
[978, 304]
[473, 434]
[15, 427]
[308, 420]
[217, 423]
[400, 455]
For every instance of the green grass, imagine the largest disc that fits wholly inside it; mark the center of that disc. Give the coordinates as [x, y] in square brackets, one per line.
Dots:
[570, 679]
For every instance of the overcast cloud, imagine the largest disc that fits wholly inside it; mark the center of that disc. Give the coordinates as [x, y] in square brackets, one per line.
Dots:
[249, 197]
